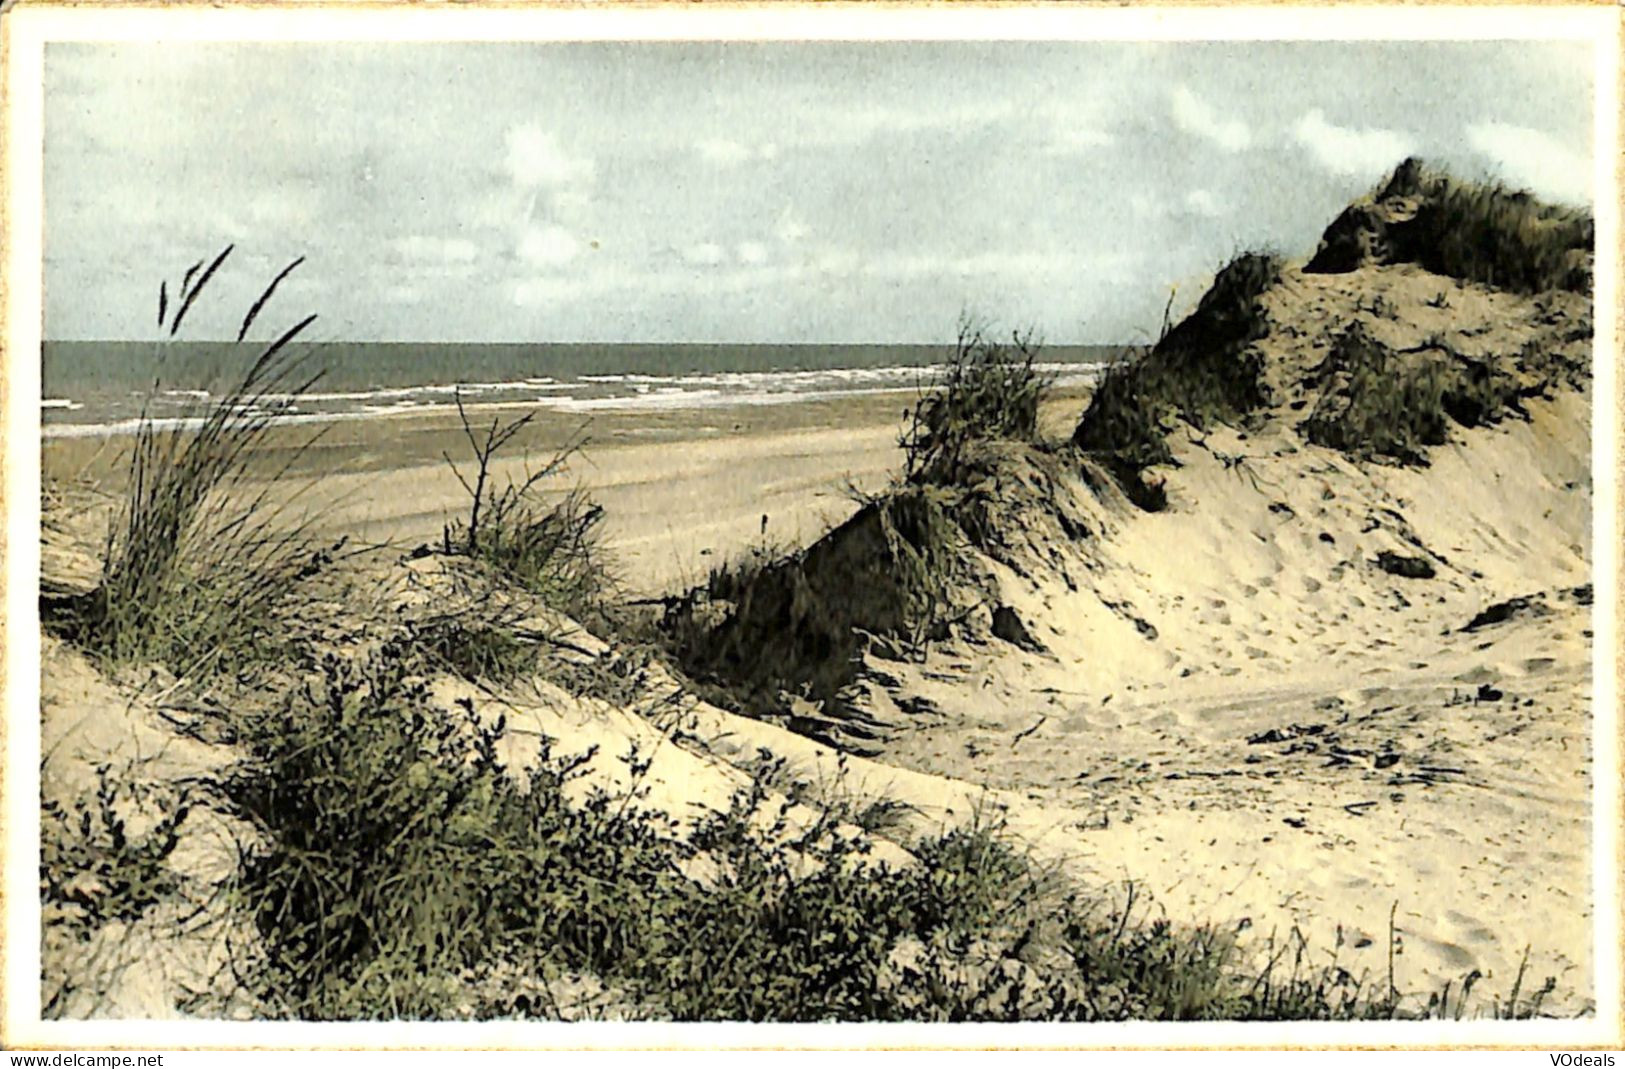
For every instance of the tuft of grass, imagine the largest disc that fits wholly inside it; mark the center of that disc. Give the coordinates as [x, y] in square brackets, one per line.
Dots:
[1489, 233]
[1376, 401]
[550, 545]
[472, 647]
[1482, 232]
[1373, 403]
[1203, 370]
[195, 564]
[729, 579]
[988, 390]
[95, 866]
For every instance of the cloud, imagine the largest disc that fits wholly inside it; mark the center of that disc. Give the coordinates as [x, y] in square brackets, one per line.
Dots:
[1530, 158]
[1068, 141]
[1347, 150]
[1146, 207]
[790, 228]
[1194, 116]
[423, 248]
[725, 153]
[547, 246]
[534, 292]
[571, 204]
[1151, 208]
[535, 158]
[857, 124]
[1029, 264]
[751, 252]
[707, 253]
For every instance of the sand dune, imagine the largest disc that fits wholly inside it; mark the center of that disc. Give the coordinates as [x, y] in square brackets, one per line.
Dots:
[1321, 694]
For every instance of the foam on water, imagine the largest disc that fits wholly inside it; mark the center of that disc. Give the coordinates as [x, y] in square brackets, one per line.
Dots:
[91, 396]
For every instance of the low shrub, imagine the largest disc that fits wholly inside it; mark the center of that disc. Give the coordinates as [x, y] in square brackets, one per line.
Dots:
[96, 867]
[400, 862]
[399, 854]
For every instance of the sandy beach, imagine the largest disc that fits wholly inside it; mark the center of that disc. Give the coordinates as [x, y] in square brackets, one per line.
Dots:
[1279, 638]
[681, 488]
[1202, 766]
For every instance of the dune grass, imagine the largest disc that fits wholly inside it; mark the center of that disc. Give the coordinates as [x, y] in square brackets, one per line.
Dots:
[1378, 402]
[797, 626]
[987, 389]
[1490, 233]
[774, 623]
[549, 544]
[1374, 403]
[195, 560]
[1201, 371]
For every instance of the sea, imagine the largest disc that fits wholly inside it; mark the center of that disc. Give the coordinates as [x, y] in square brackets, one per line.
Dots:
[101, 388]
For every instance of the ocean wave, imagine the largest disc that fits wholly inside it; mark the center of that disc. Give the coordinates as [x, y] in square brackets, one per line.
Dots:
[605, 392]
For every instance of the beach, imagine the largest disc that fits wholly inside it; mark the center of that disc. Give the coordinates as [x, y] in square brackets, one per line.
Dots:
[1154, 763]
[682, 488]
[1262, 659]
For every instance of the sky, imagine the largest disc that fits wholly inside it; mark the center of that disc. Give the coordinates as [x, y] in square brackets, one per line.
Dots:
[741, 192]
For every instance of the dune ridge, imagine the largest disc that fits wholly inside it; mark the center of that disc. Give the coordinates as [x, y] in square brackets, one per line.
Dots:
[1290, 634]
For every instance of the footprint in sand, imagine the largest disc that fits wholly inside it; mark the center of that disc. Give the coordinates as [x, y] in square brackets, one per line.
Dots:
[1473, 931]
[1455, 957]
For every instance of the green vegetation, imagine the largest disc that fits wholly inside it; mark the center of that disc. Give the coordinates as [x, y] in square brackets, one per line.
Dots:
[989, 390]
[1375, 403]
[551, 547]
[770, 626]
[192, 571]
[1201, 371]
[731, 577]
[95, 866]
[400, 861]
[797, 625]
[1485, 232]
[1378, 402]
[473, 644]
